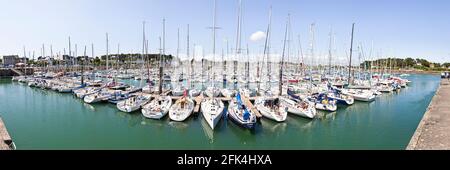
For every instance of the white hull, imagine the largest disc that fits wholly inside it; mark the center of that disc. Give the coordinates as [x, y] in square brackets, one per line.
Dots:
[278, 115]
[134, 103]
[157, 108]
[181, 110]
[212, 110]
[306, 109]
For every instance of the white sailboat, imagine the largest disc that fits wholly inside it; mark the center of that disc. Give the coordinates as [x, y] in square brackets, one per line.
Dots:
[212, 108]
[100, 96]
[271, 108]
[157, 108]
[360, 95]
[299, 107]
[182, 109]
[134, 103]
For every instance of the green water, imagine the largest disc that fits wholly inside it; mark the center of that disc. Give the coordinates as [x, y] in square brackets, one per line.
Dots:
[39, 119]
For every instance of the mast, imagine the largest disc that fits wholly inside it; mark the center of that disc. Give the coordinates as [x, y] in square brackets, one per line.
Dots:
[266, 45]
[214, 41]
[70, 54]
[144, 47]
[224, 74]
[302, 63]
[178, 54]
[25, 59]
[161, 71]
[93, 57]
[238, 39]
[75, 57]
[188, 57]
[351, 51]
[247, 71]
[107, 52]
[82, 66]
[43, 55]
[329, 51]
[51, 56]
[280, 88]
[312, 53]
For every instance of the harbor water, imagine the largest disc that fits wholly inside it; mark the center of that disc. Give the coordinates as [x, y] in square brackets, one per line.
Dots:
[43, 119]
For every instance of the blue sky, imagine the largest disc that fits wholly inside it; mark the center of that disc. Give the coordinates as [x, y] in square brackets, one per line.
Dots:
[413, 28]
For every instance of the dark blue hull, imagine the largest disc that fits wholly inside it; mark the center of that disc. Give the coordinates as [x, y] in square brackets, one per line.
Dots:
[341, 101]
[250, 126]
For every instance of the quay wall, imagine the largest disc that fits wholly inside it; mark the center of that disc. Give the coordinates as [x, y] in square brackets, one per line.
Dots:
[7, 72]
[433, 131]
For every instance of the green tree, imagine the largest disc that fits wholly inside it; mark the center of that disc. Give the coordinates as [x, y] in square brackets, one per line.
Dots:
[97, 61]
[446, 65]
[423, 62]
[410, 62]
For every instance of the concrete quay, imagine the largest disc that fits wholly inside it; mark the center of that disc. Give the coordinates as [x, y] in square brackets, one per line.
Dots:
[433, 132]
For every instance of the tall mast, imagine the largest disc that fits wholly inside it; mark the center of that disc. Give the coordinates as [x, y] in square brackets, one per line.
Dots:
[238, 39]
[247, 71]
[25, 59]
[107, 52]
[144, 55]
[43, 54]
[329, 51]
[266, 44]
[300, 50]
[280, 88]
[188, 57]
[161, 71]
[118, 57]
[51, 55]
[70, 54]
[75, 57]
[214, 41]
[312, 52]
[143, 45]
[93, 56]
[82, 66]
[351, 51]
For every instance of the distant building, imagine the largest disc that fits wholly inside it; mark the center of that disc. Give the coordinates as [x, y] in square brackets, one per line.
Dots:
[10, 60]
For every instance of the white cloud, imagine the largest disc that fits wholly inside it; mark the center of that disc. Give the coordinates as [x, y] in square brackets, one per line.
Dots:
[257, 36]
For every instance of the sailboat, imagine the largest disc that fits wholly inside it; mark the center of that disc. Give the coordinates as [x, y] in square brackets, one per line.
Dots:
[134, 103]
[99, 96]
[182, 108]
[212, 108]
[241, 114]
[271, 108]
[299, 107]
[323, 102]
[157, 108]
[227, 92]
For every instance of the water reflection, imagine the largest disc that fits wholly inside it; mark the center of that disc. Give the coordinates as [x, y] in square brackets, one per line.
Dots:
[209, 133]
[132, 119]
[152, 122]
[300, 122]
[179, 125]
[89, 107]
[273, 127]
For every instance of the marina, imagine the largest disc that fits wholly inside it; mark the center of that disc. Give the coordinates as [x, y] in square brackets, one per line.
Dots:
[54, 120]
[163, 82]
